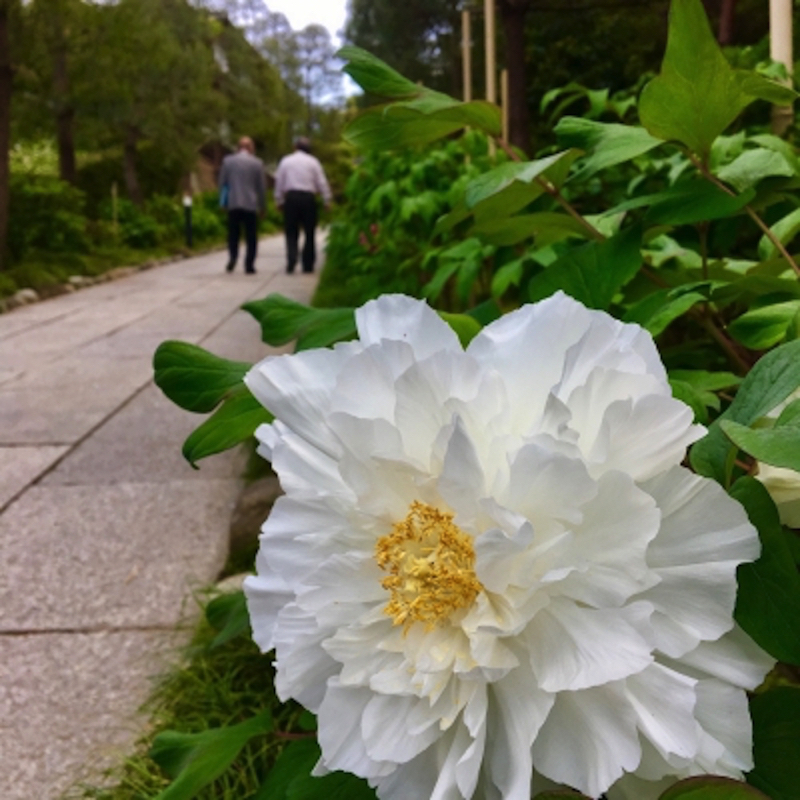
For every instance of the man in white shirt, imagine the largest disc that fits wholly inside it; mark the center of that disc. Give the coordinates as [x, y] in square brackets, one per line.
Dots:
[298, 181]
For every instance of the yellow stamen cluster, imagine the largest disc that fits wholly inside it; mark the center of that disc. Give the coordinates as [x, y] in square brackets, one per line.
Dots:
[431, 566]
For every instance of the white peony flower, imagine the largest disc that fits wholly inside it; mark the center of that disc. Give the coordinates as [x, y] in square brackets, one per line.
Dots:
[489, 565]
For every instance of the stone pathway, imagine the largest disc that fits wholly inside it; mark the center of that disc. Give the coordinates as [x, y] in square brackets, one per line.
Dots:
[105, 531]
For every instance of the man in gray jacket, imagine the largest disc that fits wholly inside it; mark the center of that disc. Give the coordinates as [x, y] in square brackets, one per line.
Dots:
[242, 182]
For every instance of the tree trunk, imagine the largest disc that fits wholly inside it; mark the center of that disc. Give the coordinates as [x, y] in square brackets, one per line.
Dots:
[6, 76]
[727, 15]
[513, 13]
[129, 165]
[65, 116]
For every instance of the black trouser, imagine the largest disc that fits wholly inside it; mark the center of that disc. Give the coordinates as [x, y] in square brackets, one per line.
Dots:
[300, 209]
[239, 218]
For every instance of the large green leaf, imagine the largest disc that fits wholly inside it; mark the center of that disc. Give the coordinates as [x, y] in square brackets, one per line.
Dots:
[291, 779]
[778, 444]
[235, 421]
[697, 94]
[753, 166]
[375, 76]
[766, 326]
[546, 226]
[606, 143]
[283, 320]
[656, 311]
[776, 742]
[694, 201]
[594, 272]
[194, 760]
[768, 599]
[773, 378]
[193, 378]
[419, 122]
[711, 787]
[496, 181]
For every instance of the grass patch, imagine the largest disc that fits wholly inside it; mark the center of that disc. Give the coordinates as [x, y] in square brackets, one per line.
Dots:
[216, 686]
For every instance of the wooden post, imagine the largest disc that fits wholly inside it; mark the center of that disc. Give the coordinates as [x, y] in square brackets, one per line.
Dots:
[466, 54]
[491, 67]
[780, 49]
[504, 102]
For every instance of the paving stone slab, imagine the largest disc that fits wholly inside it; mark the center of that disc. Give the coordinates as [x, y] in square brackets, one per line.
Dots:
[20, 466]
[68, 705]
[117, 556]
[142, 443]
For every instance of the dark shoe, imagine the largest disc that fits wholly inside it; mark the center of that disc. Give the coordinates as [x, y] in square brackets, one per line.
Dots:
[250, 272]
[289, 270]
[308, 271]
[229, 266]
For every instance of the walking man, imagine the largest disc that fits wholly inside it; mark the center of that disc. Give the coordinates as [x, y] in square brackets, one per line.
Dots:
[242, 180]
[299, 179]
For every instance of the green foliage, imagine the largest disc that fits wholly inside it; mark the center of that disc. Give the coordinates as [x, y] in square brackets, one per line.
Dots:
[194, 760]
[697, 95]
[711, 788]
[776, 735]
[45, 216]
[768, 601]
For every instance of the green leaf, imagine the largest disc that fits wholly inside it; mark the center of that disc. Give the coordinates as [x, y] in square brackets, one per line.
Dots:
[694, 201]
[419, 122]
[561, 794]
[375, 76]
[776, 742]
[290, 778]
[235, 421]
[752, 166]
[657, 310]
[529, 173]
[606, 143]
[766, 326]
[768, 599]
[697, 94]
[466, 327]
[785, 230]
[193, 378]
[283, 320]
[778, 445]
[594, 272]
[194, 760]
[546, 226]
[508, 275]
[228, 615]
[711, 787]
[773, 378]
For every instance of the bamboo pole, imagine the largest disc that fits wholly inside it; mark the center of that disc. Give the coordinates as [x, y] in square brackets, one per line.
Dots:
[504, 102]
[466, 54]
[780, 49]
[491, 64]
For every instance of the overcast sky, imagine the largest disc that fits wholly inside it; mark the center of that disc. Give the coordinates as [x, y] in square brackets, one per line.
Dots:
[330, 13]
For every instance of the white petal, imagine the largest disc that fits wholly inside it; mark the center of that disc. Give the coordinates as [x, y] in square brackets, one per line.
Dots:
[385, 729]
[266, 593]
[701, 522]
[588, 740]
[734, 658]
[400, 318]
[519, 711]
[723, 712]
[664, 702]
[339, 733]
[574, 648]
[462, 482]
[297, 389]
